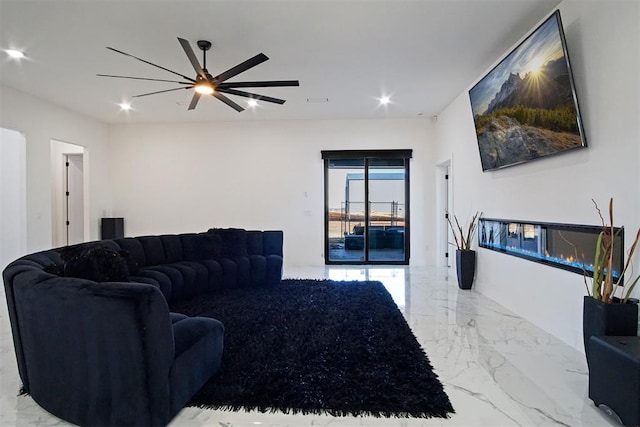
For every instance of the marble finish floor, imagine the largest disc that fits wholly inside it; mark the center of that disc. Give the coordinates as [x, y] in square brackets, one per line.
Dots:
[497, 368]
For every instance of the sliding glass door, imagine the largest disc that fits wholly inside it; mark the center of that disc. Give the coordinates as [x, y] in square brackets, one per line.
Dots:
[367, 207]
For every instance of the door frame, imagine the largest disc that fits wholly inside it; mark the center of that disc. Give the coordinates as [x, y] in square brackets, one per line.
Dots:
[367, 155]
[74, 200]
[444, 204]
[59, 151]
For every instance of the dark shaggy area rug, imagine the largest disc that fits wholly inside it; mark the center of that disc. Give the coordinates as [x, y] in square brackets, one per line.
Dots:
[316, 347]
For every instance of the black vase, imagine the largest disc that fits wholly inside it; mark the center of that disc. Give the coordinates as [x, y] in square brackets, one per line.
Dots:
[599, 318]
[465, 267]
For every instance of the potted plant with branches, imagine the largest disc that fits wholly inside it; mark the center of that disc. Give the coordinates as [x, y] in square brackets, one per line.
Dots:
[604, 312]
[465, 256]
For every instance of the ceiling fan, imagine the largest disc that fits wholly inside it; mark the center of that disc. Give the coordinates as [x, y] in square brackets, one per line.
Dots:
[206, 84]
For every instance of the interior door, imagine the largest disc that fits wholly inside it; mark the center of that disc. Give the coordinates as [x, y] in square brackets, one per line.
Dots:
[74, 198]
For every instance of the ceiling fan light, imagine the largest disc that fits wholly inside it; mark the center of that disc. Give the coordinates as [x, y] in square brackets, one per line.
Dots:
[203, 88]
[16, 54]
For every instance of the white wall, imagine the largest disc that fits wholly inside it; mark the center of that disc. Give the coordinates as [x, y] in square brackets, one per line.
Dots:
[604, 49]
[13, 196]
[40, 121]
[257, 175]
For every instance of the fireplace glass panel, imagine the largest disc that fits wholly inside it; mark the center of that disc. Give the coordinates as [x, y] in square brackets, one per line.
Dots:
[568, 246]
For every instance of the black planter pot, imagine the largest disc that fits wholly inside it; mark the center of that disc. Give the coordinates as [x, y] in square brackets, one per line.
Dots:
[599, 318]
[465, 267]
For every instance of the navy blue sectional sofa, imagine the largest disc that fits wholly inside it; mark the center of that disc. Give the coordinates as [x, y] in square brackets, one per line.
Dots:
[94, 339]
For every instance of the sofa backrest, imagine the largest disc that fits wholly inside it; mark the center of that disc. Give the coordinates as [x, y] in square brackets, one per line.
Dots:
[264, 242]
[214, 244]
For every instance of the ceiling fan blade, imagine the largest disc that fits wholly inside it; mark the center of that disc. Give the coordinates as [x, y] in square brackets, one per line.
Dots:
[194, 101]
[160, 91]
[227, 101]
[151, 63]
[271, 83]
[244, 66]
[144, 78]
[192, 57]
[252, 95]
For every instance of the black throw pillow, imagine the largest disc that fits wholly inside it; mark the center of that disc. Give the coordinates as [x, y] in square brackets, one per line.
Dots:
[97, 263]
[57, 269]
[69, 252]
[132, 264]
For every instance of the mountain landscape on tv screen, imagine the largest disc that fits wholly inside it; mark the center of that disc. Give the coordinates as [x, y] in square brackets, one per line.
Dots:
[524, 108]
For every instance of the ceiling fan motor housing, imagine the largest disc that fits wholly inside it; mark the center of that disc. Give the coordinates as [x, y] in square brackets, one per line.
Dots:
[204, 45]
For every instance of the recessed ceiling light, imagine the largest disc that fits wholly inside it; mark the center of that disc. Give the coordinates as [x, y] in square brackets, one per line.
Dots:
[14, 53]
[125, 106]
[252, 103]
[384, 100]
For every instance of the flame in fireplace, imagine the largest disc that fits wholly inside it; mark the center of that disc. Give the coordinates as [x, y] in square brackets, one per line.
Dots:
[546, 257]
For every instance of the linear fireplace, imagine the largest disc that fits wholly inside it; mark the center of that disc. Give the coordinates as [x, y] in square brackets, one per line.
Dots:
[566, 246]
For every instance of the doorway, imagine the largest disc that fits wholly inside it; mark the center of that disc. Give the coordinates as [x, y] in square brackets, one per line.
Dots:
[69, 198]
[74, 202]
[367, 207]
[443, 207]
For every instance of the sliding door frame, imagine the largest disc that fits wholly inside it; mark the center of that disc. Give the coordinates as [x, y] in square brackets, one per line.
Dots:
[368, 155]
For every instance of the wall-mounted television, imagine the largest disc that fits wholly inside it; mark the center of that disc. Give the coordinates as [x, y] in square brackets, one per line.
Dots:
[526, 107]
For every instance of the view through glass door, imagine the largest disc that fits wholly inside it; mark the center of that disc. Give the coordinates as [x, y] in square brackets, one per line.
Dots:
[367, 207]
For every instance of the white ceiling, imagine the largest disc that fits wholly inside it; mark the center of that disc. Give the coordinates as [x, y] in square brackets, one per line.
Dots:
[421, 53]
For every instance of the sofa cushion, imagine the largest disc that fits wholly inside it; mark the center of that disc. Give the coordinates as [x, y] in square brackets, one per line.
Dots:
[153, 249]
[274, 270]
[233, 241]
[215, 274]
[200, 283]
[172, 248]
[254, 242]
[258, 270]
[176, 317]
[183, 279]
[189, 246]
[199, 344]
[199, 246]
[210, 246]
[132, 264]
[134, 247]
[156, 278]
[272, 242]
[189, 330]
[44, 258]
[99, 263]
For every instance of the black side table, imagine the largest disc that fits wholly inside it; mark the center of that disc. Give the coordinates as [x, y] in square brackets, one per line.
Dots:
[614, 376]
[112, 228]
